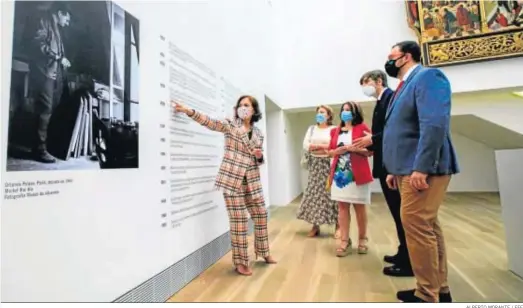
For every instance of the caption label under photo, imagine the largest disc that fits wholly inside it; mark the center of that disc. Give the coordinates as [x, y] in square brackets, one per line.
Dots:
[30, 189]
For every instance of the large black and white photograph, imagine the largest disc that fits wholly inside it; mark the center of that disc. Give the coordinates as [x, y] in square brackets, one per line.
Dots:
[74, 95]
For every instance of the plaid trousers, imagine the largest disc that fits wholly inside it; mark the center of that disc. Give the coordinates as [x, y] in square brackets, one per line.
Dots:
[238, 205]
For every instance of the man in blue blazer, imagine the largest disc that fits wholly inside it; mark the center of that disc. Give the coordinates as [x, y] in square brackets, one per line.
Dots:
[420, 159]
[374, 84]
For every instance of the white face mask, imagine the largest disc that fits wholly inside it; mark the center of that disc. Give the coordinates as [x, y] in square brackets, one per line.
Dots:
[369, 91]
[243, 112]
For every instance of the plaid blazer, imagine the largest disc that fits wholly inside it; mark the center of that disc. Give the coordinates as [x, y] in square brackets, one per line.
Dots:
[238, 162]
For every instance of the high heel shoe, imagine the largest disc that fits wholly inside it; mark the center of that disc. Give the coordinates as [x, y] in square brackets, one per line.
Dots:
[344, 251]
[362, 246]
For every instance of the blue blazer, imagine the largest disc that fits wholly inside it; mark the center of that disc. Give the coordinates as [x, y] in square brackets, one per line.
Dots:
[416, 136]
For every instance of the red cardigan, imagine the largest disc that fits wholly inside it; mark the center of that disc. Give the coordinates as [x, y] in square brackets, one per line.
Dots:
[360, 163]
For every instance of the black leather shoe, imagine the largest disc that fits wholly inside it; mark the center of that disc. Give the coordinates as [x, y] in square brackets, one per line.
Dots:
[44, 157]
[413, 299]
[408, 296]
[445, 298]
[398, 271]
[390, 259]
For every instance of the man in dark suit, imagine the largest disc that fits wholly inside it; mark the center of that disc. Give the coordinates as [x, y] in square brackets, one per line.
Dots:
[420, 160]
[374, 84]
[47, 62]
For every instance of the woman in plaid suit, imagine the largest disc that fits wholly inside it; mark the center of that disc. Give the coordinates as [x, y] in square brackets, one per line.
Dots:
[239, 178]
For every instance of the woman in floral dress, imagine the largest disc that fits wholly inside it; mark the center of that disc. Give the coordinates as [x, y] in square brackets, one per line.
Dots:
[316, 206]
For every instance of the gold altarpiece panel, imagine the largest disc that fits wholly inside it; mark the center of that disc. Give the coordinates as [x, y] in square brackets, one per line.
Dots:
[458, 32]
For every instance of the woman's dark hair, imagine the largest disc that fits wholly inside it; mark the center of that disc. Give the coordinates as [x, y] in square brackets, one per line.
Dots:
[357, 113]
[256, 115]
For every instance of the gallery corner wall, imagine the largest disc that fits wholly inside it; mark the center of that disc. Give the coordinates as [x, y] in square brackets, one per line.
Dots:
[510, 176]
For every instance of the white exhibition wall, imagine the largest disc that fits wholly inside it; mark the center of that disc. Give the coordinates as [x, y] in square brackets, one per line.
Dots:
[504, 109]
[284, 170]
[327, 45]
[510, 176]
[96, 234]
[478, 167]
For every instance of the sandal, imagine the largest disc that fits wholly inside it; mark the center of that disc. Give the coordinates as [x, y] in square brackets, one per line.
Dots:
[362, 246]
[344, 251]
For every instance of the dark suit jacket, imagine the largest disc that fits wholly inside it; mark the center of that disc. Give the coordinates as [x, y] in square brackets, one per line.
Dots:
[378, 123]
[417, 126]
[47, 48]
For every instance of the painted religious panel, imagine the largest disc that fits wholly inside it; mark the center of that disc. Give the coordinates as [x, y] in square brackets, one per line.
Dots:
[450, 19]
[503, 15]
[456, 32]
[413, 16]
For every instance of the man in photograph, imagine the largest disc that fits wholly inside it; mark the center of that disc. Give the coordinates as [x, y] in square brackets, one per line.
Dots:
[47, 65]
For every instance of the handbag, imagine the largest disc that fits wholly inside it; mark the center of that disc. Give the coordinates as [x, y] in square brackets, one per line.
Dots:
[305, 156]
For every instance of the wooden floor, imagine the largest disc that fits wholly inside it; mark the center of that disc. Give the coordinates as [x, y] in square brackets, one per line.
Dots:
[308, 270]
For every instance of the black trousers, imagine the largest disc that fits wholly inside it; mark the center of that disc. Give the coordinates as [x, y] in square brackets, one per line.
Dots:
[47, 93]
[393, 199]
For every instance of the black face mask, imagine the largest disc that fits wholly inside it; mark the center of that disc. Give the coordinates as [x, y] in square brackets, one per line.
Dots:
[391, 68]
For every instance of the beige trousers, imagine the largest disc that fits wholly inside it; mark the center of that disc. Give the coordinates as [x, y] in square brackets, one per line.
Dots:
[419, 214]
